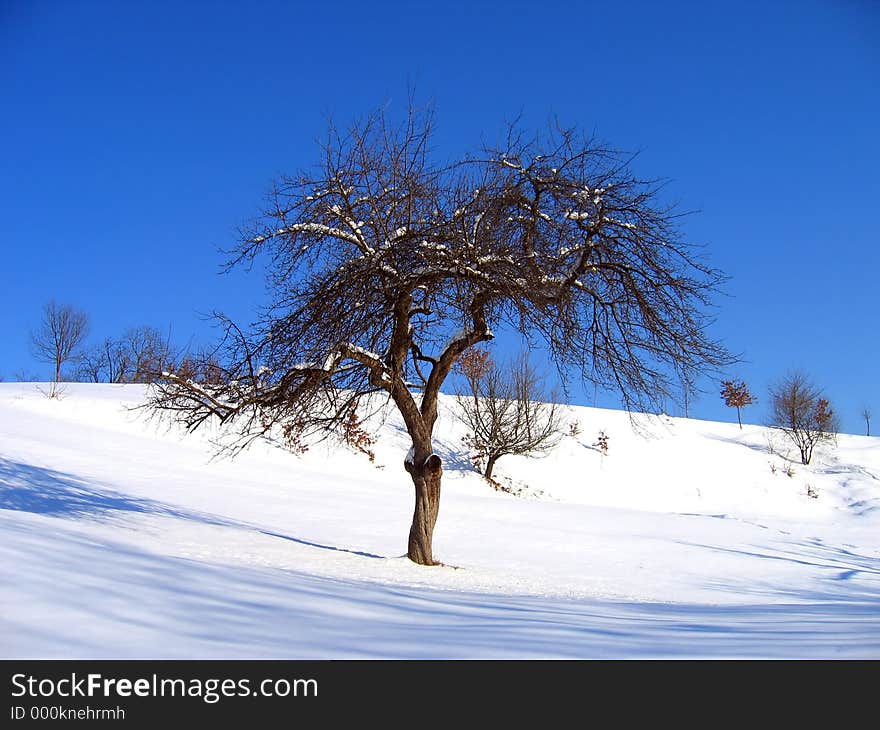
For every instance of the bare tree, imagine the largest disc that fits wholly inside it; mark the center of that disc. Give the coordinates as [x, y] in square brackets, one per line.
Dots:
[59, 336]
[385, 267]
[144, 355]
[736, 395]
[117, 360]
[866, 414]
[505, 409]
[141, 355]
[802, 413]
[93, 364]
[689, 391]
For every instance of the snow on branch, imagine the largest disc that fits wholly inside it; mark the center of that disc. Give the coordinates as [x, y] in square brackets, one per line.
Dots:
[317, 229]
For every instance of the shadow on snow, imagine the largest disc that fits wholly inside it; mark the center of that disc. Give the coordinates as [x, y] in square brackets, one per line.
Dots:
[42, 491]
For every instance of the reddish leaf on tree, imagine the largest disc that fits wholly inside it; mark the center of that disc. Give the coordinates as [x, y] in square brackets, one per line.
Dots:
[824, 416]
[474, 363]
[736, 395]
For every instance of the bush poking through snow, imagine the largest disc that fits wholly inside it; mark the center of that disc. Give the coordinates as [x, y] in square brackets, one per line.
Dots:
[516, 488]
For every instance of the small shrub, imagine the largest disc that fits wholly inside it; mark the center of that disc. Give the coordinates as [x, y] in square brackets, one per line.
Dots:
[812, 491]
[602, 443]
[506, 409]
[736, 395]
[803, 414]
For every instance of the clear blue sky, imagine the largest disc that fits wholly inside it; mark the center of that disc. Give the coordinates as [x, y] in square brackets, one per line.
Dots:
[136, 136]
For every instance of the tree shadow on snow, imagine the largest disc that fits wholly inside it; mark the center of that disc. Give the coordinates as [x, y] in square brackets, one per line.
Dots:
[838, 565]
[42, 491]
[308, 543]
[28, 488]
[760, 448]
[454, 460]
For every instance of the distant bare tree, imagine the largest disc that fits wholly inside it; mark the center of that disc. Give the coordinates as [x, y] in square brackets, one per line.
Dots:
[689, 391]
[145, 355]
[802, 413]
[59, 336]
[866, 414]
[385, 267]
[736, 395]
[141, 355]
[93, 364]
[505, 409]
[117, 359]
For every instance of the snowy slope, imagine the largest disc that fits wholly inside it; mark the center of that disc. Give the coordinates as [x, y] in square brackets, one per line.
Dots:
[120, 538]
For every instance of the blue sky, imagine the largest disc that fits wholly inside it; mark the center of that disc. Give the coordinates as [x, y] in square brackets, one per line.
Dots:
[136, 137]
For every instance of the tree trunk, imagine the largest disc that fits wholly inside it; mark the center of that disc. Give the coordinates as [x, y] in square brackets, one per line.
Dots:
[739, 419]
[490, 465]
[806, 455]
[426, 479]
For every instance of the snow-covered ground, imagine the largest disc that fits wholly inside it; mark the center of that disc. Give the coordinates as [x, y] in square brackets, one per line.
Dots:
[120, 538]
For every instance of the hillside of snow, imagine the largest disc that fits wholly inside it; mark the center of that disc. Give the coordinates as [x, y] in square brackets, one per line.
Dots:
[123, 538]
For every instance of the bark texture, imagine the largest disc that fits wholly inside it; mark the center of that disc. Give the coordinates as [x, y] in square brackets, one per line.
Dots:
[426, 479]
